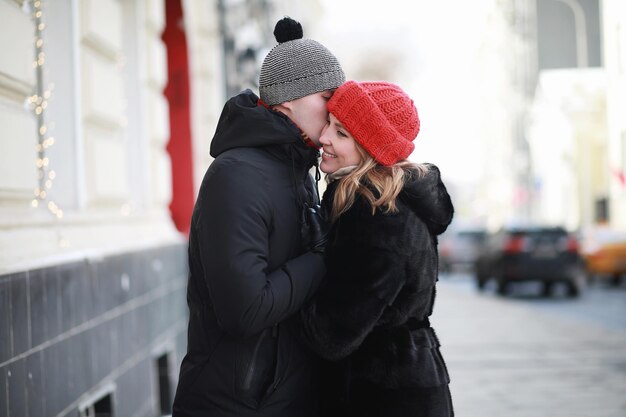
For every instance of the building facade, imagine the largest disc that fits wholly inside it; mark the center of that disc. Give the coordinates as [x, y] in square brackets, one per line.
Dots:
[576, 128]
[96, 126]
[107, 109]
[614, 52]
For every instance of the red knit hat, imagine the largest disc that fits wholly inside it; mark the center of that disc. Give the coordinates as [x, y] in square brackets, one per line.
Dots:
[380, 116]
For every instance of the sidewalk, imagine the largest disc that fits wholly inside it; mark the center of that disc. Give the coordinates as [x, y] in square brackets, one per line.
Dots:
[510, 360]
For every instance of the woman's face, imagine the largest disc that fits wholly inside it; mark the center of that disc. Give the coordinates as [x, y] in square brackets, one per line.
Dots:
[338, 145]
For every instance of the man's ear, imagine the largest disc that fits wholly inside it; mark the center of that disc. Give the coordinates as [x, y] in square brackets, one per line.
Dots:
[286, 105]
[285, 108]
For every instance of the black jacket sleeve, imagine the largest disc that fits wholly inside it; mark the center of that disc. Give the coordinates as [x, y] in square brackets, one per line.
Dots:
[234, 223]
[366, 263]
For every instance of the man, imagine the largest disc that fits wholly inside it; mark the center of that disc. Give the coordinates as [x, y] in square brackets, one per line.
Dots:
[252, 261]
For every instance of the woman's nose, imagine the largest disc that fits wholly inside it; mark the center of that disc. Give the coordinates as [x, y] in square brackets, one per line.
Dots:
[324, 139]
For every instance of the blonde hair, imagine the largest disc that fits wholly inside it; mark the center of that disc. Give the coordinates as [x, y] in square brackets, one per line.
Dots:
[380, 185]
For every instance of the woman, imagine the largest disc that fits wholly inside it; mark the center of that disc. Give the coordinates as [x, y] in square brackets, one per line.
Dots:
[370, 318]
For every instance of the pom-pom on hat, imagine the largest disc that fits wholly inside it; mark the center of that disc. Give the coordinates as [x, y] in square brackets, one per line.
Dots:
[297, 67]
[380, 116]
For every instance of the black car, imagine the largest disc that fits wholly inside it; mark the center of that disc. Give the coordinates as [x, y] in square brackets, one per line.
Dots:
[458, 248]
[545, 254]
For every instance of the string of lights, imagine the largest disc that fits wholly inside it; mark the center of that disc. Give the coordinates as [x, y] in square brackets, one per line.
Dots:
[38, 103]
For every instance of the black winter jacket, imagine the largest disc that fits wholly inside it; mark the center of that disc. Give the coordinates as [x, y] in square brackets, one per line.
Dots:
[370, 316]
[248, 271]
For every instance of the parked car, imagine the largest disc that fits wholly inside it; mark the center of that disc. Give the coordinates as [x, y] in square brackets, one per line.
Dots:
[604, 252]
[532, 253]
[458, 248]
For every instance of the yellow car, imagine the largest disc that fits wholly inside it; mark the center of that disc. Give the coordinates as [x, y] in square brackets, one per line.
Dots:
[605, 256]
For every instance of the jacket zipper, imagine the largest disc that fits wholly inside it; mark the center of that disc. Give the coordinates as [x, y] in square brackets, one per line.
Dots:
[248, 380]
[269, 392]
[272, 388]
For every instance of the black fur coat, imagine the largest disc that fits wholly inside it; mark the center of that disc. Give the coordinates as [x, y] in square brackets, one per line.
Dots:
[370, 316]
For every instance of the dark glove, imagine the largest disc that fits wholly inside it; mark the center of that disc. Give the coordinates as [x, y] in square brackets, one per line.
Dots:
[318, 229]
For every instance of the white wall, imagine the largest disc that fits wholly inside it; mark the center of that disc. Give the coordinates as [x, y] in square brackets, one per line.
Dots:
[205, 71]
[568, 140]
[109, 119]
[18, 129]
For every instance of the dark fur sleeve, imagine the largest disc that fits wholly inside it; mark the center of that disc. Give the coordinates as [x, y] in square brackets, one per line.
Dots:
[366, 263]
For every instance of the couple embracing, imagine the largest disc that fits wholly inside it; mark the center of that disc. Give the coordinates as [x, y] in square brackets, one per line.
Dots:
[303, 308]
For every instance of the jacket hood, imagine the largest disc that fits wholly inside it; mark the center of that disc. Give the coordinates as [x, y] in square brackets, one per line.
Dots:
[245, 123]
[428, 198]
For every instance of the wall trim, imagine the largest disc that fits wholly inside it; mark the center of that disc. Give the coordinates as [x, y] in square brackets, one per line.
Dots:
[14, 90]
[25, 247]
[102, 47]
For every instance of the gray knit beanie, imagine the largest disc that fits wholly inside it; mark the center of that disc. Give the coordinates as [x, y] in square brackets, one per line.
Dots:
[297, 67]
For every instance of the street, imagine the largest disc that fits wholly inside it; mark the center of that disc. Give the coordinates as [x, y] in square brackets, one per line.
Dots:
[527, 356]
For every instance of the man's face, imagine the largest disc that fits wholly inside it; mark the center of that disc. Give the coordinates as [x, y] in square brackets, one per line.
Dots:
[309, 113]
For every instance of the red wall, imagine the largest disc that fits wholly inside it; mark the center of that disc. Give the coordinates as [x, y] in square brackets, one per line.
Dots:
[177, 92]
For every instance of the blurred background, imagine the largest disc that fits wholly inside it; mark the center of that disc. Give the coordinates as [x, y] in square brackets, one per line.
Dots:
[107, 109]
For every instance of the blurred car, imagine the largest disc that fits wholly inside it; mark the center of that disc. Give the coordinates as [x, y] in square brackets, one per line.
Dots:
[459, 248]
[532, 253]
[604, 252]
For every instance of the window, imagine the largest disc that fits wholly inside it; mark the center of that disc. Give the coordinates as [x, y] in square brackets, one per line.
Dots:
[602, 210]
[623, 145]
[621, 47]
[103, 407]
[621, 172]
[163, 385]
